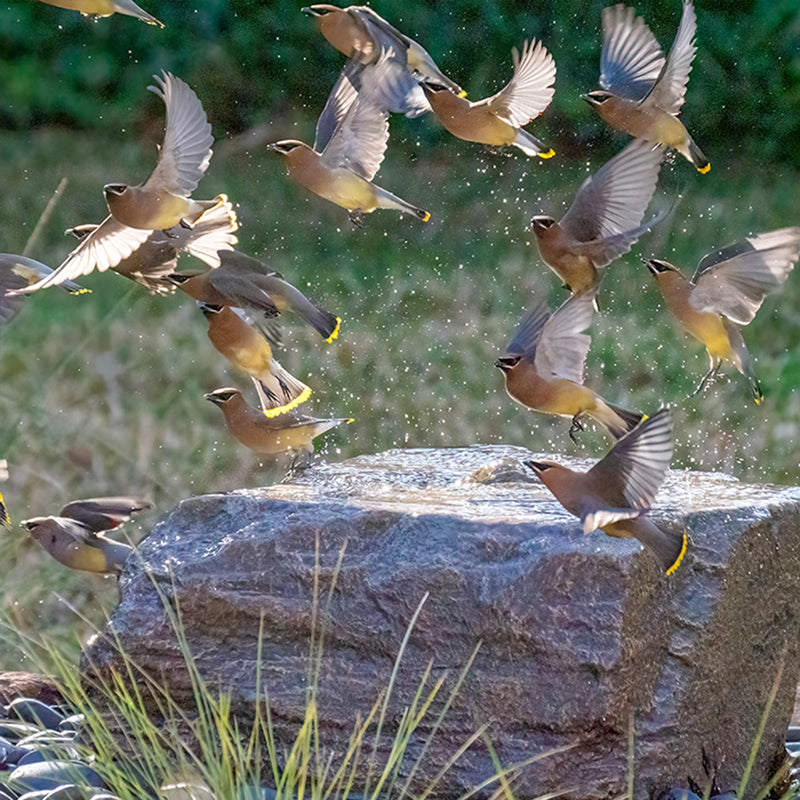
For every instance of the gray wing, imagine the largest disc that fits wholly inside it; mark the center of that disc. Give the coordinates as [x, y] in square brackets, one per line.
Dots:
[529, 330]
[615, 198]
[359, 142]
[103, 513]
[669, 90]
[631, 473]
[108, 244]
[631, 59]
[562, 345]
[213, 232]
[186, 151]
[530, 89]
[342, 96]
[734, 280]
[605, 250]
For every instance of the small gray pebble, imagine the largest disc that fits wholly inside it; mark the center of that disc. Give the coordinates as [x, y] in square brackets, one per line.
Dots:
[37, 795]
[48, 737]
[51, 775]
[35, 711]
[70, 792]
[34, 754]
[14, 731]
[74, 722]
[6, 793]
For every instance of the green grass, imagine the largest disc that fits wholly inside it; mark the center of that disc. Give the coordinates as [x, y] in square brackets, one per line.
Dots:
[102, 393]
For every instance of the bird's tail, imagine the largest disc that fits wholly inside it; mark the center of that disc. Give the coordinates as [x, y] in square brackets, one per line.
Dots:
[389, 200]
[213, 231]
[696, 156]
[532, 146]
[131, 9]
[287, 296]
[617, 421]
[743, 360]
[279, 392]
[669, 547]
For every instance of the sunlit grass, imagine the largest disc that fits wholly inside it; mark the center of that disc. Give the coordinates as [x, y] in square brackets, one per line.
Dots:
[102, 393]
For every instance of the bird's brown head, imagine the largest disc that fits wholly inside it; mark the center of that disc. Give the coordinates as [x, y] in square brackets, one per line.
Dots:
[541, 222]
[208, 309]
[539, 467]
[285, 146]
[432, 87]
[657, 267]
[115, 189]
[81, 231]
[36, 527]
[597, 98]
[507, 363]
[221, 397]
[319, 9]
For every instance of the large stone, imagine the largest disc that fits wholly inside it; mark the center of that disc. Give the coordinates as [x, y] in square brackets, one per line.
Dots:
[581, 636]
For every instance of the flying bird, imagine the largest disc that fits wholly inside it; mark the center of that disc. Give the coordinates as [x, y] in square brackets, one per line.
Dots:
[604, 220]
[544, 363]
[285, 432]
[105, 8]
[351, 138]
[642, 91]
[617, 492]
[75, 537]
[726, 290]
[234, 335]
[363, 36]
[245, 282]
[498, 120]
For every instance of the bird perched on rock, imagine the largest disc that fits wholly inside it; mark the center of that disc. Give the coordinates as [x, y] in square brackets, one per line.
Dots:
[105, 8]
[233, 334]
[726, 290]
[75, 537]
[247, 283]
[604, 220]
[543, 366]
[642, 91]
[616, 493]
[498, 120]
[351, 137]
[19, 272]
[285, 432]
[152, 260]
[362, 35]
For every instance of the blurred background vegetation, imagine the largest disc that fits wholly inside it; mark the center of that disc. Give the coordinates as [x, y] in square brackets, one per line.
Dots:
[102, 394]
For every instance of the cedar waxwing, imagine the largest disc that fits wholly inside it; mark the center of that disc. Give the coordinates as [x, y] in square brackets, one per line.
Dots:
[76, 546]
[75, 537]
[363, 35]
[163, 201]
[268, 435]
[19, 272]
[498, 120]
[233, 336]
[105, 8]
[618, 490]
[604, 220]
[151, 261]
[726, 290]
[543, 366]
[642, 91]
[247, 283]
[351, 137]
[5, 519]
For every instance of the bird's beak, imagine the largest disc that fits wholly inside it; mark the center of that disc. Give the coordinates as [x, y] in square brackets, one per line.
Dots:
[536, 466]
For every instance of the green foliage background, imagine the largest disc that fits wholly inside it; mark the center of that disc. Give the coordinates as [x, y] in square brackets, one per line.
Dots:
[102, 394]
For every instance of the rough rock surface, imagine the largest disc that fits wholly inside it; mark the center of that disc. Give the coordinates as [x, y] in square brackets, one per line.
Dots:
[581, 636]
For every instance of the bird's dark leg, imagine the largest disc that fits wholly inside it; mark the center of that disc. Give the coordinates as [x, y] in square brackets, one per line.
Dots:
[575, 427]
[708, 379]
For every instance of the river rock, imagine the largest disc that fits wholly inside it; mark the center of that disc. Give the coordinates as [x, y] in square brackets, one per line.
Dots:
[583, 639]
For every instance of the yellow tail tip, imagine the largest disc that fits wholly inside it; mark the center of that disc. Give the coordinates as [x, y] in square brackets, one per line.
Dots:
[462, 93]
[678, 560]
[335, 331]
[82, 290]
[292, 404]
[547, 154]
[427, 216]
[703, 170]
